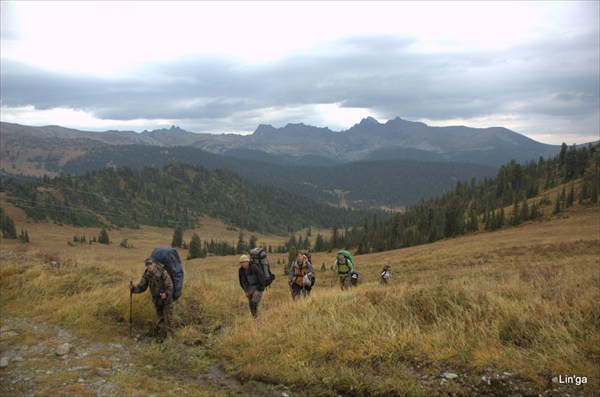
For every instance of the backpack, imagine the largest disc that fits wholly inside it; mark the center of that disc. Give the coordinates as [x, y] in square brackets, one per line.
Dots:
[169, 257]
[348, 256]
[259, 258]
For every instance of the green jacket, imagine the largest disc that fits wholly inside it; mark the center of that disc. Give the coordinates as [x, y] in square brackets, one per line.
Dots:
[158, 281]
[344, 267]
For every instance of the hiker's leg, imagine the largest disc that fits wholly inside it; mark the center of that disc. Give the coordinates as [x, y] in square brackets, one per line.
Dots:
[346, 282]
[251, 305]
[296, 291]
[168, 319]
[254, 308]
[160, 327]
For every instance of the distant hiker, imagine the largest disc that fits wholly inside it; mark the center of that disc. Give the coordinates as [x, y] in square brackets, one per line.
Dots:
[252, 281]
[353, 278]
[157, 279]
[385, 274]
[302, 276]
[344, 266]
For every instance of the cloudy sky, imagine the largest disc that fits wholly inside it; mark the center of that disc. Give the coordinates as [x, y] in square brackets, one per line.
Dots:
[226, 67]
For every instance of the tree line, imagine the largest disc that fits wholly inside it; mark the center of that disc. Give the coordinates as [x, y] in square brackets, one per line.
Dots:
[472, 206]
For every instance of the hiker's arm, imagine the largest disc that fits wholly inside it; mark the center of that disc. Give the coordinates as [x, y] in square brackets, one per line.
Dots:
[310, 268]
[243, 280]
[141, 287]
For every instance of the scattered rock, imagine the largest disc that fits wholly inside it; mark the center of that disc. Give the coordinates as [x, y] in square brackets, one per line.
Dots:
[449, 375]
[63, 349]
[4, 361]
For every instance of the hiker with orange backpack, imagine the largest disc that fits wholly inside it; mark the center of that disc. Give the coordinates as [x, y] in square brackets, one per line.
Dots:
[302, 276]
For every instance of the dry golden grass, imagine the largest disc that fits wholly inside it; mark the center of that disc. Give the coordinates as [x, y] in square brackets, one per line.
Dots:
[520, 300]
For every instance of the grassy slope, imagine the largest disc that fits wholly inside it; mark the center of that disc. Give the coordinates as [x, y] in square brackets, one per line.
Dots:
[521, 300]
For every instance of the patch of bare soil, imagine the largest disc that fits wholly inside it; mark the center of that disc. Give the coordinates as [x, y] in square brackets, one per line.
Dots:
[38, 358]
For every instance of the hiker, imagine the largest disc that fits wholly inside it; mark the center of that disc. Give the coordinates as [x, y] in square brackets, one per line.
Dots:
[385, 274]
[252, 282]
[353, 278]
[157, 279]
[344, 267]
[302, 276]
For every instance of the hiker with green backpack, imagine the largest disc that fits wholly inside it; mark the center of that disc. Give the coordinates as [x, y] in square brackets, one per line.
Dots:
[344, 265]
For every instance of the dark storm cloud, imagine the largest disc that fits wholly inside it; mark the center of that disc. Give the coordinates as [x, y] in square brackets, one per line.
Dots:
[388, 75]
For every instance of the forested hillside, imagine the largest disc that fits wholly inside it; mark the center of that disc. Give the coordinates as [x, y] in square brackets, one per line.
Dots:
[472, 206]
[172, 196]
[364, 184]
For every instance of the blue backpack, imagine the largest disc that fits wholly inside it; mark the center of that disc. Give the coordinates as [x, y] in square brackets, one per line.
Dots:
[169, 257]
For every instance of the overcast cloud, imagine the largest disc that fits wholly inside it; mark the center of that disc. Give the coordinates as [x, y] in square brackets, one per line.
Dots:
[221, 67]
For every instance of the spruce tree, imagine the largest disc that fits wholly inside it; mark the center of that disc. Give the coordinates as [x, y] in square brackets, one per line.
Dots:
[252, 242]
[177, 240]
[8, 227]
[195, 247]
[103, 238]
[292, 254]
[241, 244]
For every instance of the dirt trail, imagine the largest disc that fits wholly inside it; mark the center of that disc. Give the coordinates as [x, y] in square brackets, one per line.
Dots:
[33, 364]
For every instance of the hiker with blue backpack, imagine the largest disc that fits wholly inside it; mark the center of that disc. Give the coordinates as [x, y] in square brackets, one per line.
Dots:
[302, 276]
[344, 265]
[157, 279]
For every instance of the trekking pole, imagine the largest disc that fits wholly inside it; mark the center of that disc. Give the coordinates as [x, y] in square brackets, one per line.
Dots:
[130, 306]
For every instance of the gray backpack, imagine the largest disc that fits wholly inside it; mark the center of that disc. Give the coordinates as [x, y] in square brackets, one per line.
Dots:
[259, 258]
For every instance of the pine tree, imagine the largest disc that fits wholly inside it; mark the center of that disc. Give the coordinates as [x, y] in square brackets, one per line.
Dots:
[292, 254]
[103, 238]
[8, 227]
[23, 237]
[252, 241]
[241, 244]
[195, 248]
[177, 241]
[319, 243]
[557, 205]
[571, 197]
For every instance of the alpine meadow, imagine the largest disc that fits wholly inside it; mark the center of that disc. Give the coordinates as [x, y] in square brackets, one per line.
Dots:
[494, 289]
[300, 198]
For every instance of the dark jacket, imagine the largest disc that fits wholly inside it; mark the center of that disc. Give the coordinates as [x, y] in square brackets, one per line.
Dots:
[251, 279]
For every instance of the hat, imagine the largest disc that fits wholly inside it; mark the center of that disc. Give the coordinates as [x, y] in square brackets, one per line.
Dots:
[244, 258]
[149, 260]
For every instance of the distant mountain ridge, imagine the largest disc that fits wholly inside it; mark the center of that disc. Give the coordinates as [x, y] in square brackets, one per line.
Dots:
[370, 165]
[396, 139]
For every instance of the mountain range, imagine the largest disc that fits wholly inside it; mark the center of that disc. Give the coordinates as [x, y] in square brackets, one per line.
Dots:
[303, 144]
[393, 164]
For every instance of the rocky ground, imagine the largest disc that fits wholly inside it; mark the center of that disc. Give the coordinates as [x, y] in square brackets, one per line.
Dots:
[36, 355]
[45, 359]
